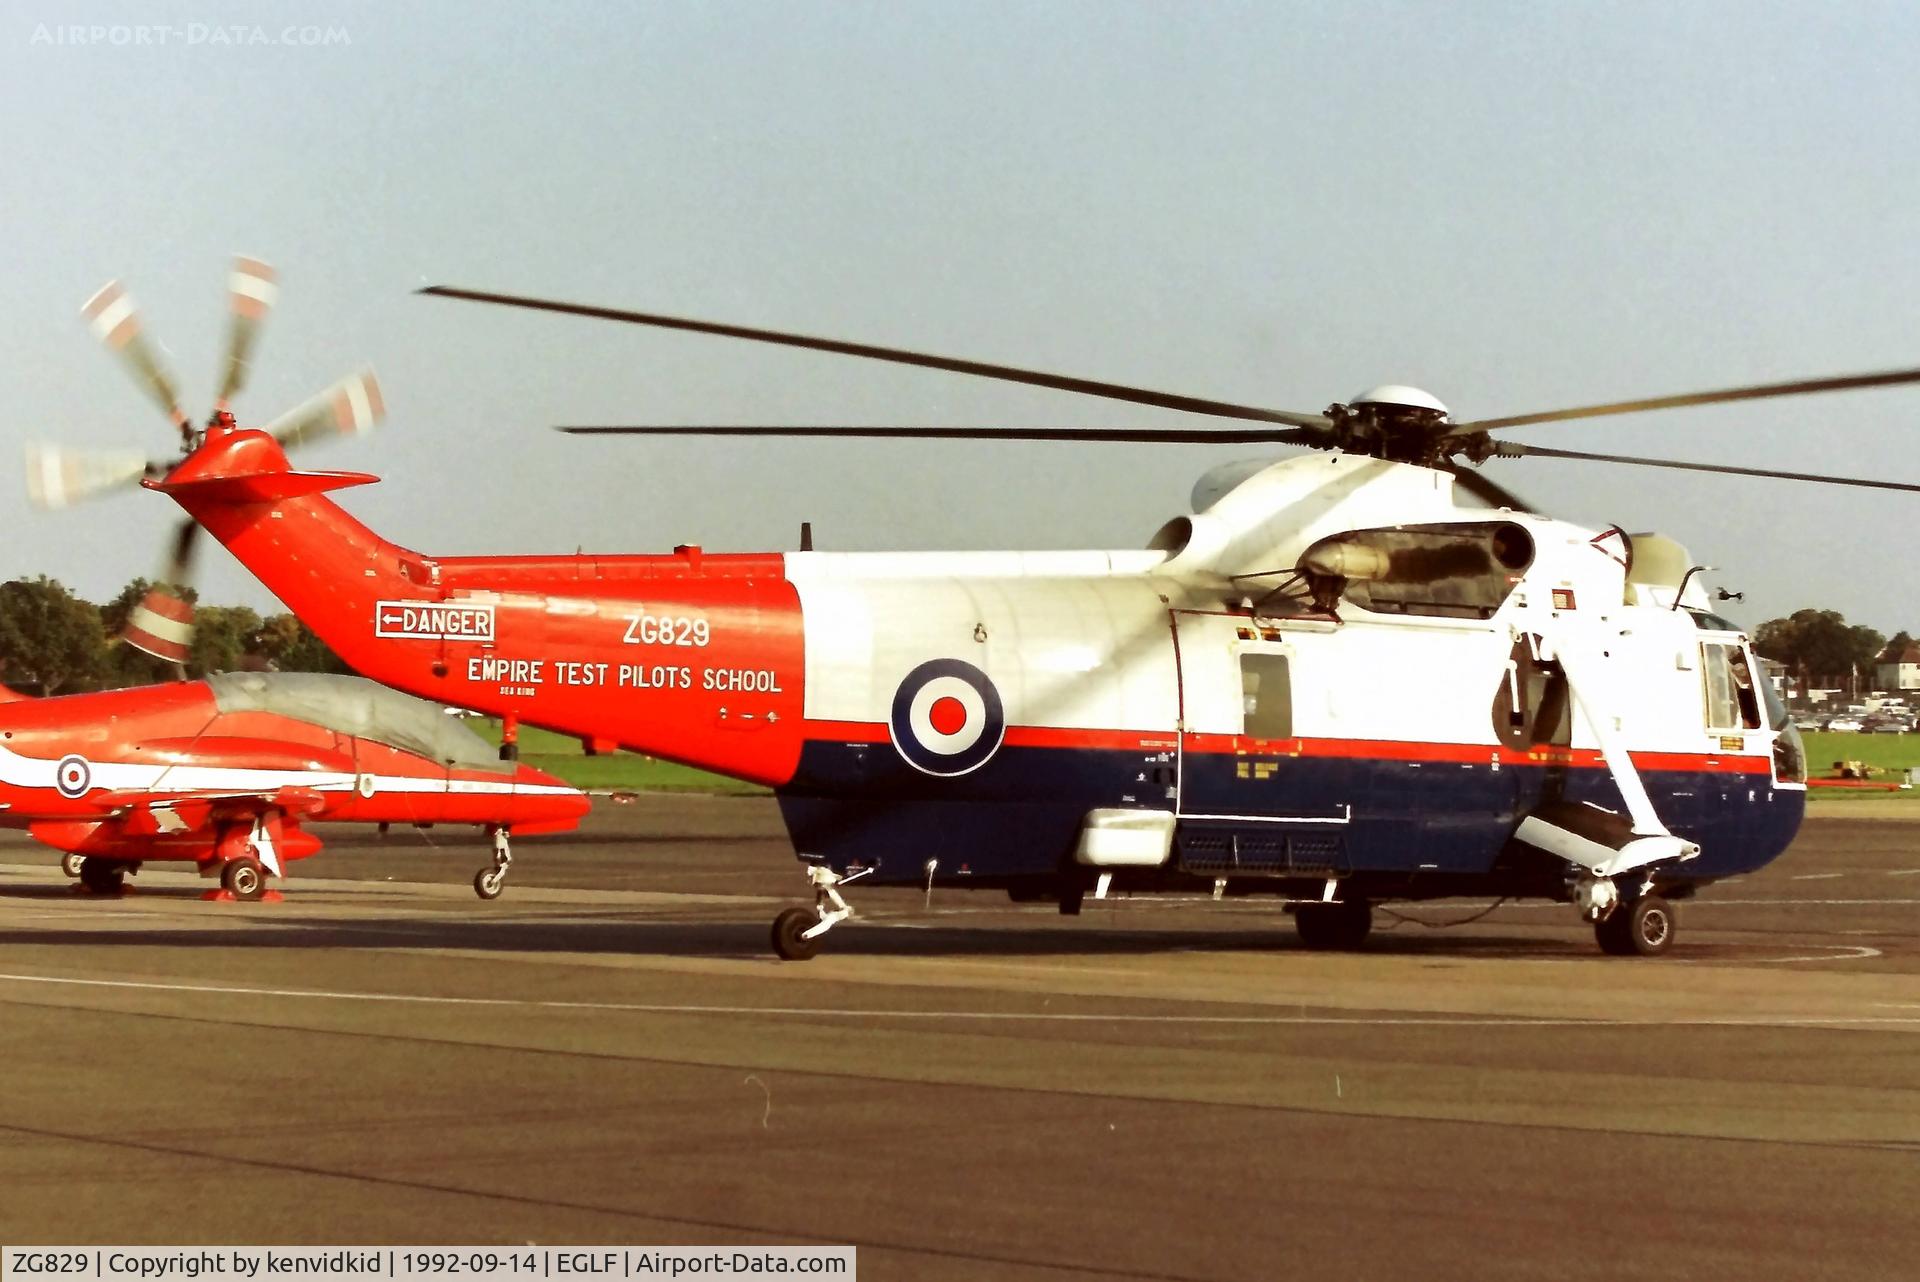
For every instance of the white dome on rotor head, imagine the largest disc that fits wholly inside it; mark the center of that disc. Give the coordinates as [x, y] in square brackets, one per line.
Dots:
[1399, 394]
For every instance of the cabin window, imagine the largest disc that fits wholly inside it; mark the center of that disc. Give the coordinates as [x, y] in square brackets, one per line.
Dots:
[1733, 699]
[1266, 692]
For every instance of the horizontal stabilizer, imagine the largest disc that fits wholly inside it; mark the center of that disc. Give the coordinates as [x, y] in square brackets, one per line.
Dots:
[260, 487]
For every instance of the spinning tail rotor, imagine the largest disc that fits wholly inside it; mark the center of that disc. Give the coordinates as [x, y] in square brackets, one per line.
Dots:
[57, 477]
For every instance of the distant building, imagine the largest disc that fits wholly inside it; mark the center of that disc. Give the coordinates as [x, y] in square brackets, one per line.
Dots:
[1900, 671]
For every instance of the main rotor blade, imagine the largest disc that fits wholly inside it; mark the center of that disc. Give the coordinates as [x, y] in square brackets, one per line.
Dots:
[115, 321]
[59, 477]
[1761, 392]
[898, 356]
[1143, 435]
[1486, 489]
[252, 288]
[1515, 449]
[351, 407]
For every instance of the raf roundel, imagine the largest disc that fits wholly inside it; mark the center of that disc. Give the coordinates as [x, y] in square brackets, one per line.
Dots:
[947, 718]
[73, 776]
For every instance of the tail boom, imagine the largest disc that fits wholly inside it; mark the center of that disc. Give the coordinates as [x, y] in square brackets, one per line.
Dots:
[697, 659]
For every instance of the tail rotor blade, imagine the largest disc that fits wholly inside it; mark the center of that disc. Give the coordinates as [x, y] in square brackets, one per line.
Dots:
[115, 321]
[186, 537]
[162, 623]
[58, 478]
[252, 287]
[350, 407]
[162, 626]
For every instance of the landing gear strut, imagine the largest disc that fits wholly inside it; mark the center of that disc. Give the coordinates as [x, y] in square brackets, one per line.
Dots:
[489, 882]
[797, 931]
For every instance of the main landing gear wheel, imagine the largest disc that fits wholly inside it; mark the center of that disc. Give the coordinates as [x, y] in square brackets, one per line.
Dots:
[102, 876]
[244, 878]
[1334, 927]
[1643, 928]
[797, 931]
[789, 934]
[71, 864]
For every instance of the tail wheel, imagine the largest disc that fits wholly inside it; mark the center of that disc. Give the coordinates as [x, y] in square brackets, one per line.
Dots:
[244, 878]
[789, 930]
[1643, 928]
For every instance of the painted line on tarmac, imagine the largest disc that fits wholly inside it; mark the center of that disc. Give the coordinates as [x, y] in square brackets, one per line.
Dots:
[1818, 876]
[982, 1016]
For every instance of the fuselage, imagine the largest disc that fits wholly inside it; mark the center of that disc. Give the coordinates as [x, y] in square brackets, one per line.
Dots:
[967, 716]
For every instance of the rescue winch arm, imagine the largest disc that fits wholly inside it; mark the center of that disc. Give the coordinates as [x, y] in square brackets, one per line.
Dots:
[1647, 840]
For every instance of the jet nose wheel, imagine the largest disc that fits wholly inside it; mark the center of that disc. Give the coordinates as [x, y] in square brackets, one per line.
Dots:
[1643, 928]
[489, 882]
[244, 879]
[789, 934]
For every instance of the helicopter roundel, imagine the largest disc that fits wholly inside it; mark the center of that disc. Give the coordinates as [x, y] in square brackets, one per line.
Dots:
[73, 776]
[947, 718]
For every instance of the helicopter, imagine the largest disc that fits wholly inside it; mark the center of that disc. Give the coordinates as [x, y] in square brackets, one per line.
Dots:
[1362, 674]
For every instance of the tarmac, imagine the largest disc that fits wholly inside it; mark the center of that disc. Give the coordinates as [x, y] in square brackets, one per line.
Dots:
[960, 1086]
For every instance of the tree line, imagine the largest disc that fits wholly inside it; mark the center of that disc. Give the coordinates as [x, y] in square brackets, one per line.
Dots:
[54, 642]
[1822, 649]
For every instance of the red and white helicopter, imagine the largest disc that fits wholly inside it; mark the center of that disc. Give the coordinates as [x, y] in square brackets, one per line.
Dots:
[1337, 681]
[229, 772]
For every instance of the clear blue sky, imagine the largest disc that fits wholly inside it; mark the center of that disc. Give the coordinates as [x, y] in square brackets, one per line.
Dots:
[1515, 206]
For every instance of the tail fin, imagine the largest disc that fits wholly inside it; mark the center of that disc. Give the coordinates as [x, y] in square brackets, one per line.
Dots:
[328, 568]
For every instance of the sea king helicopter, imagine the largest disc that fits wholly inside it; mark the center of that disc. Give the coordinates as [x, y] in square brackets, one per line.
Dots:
[231, 773]
[1364, 673]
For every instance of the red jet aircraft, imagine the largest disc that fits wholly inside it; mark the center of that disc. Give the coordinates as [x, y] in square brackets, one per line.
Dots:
[227, 773]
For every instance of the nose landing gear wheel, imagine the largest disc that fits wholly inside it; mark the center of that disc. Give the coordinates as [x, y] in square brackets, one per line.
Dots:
[489, 882]
[1643, 928]
[789, 930]
[244, 879]
[72, 864]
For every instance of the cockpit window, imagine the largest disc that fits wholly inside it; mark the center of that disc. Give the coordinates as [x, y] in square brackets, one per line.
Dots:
[1733, 697]
[358, 707]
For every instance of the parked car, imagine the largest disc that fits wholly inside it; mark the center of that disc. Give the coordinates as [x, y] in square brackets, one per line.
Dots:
[1845, 725]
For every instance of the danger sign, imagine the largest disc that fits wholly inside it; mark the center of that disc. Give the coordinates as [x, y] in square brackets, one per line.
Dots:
[419, 621]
